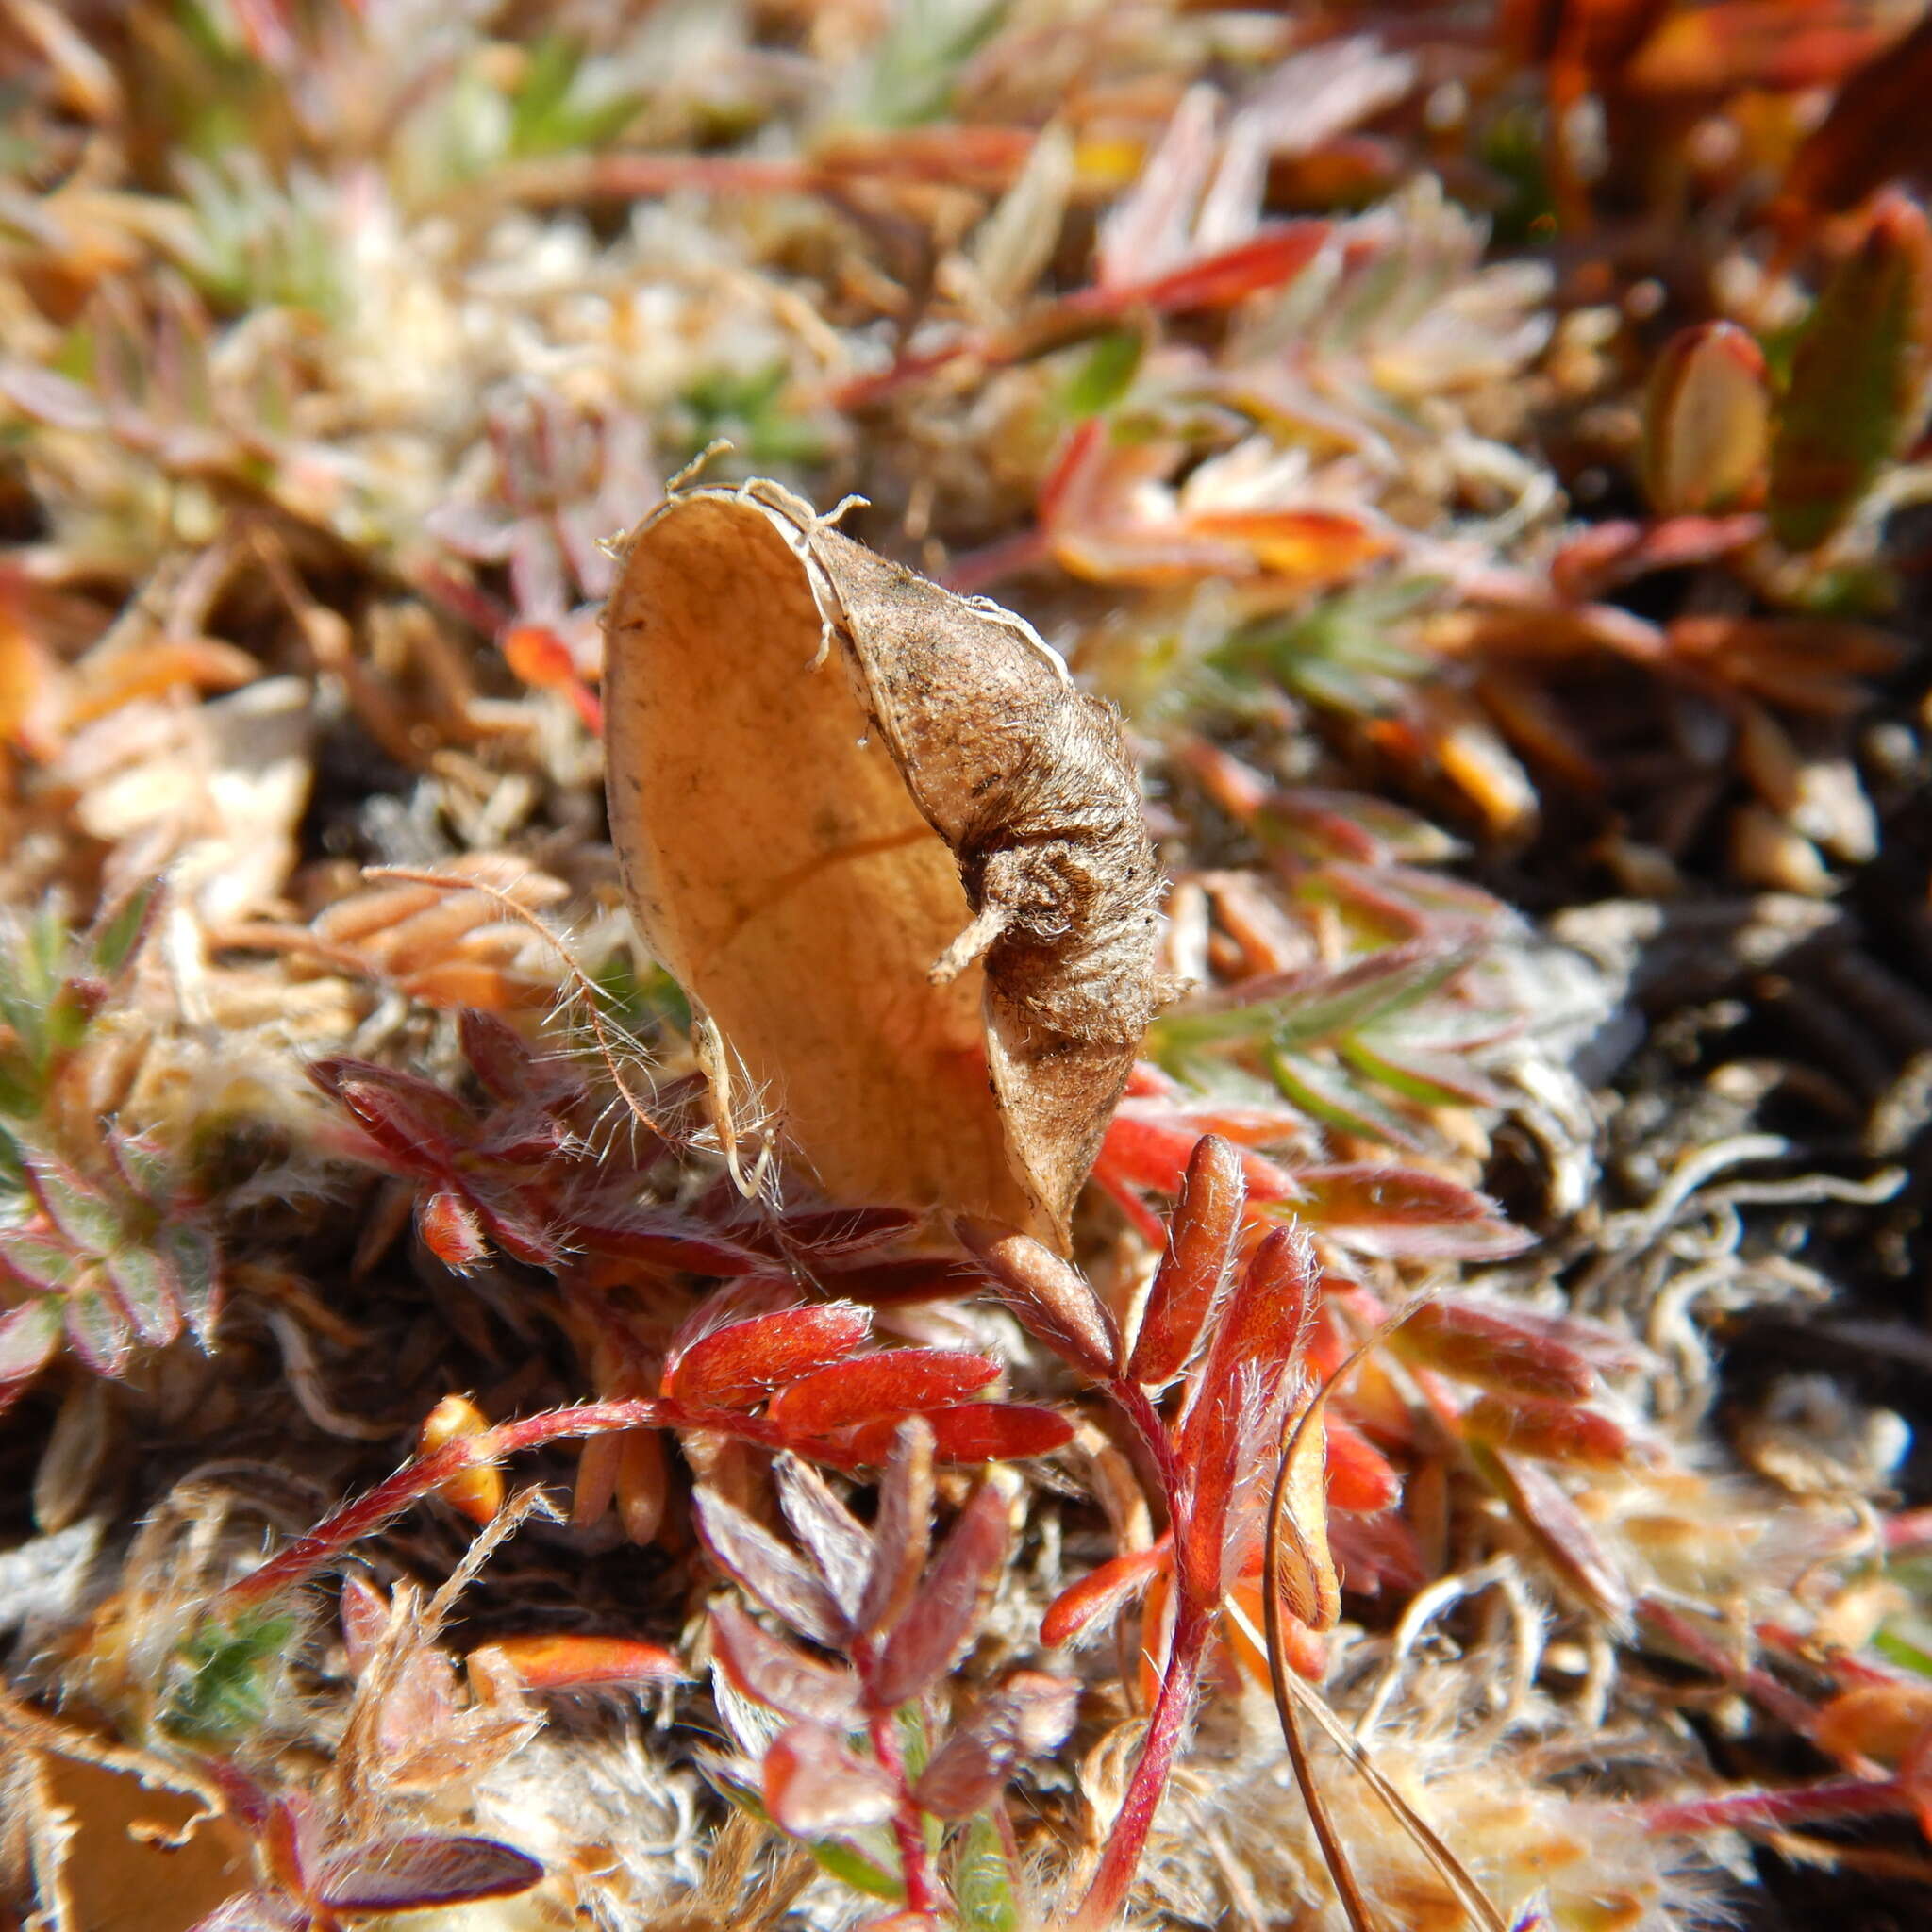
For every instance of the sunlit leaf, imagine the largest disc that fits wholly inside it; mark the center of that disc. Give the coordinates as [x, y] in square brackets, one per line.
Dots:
[1050, 1299]
[733, 1366]
[1200, 1247]
[896, 1382]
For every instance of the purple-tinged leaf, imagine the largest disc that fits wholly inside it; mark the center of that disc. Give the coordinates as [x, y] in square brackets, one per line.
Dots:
[49, 398]
[826, 1233]
[1540, 1502]
[944, 1613]
[770, 1571]
[873, 1387]
[661, 1238]
[98, 1333]
[1490, 1347]
[734, 1366]
[144, 1287]
[915, 1278]
[835, 1539]
[1030, 1714]
[499, 1056]
[28, 1337]
[902, 1530]
[1052, 1301]
[41, 1263]
[81, 1212]
[195, 1262]
[407, 1116]
[402, 1875]
[1200, 1245]
[813, 1785]
[1405, 1214]
[768, 1670]
[518, 1233]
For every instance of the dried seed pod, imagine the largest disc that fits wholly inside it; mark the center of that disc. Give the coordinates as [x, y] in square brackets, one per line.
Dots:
[886, 847]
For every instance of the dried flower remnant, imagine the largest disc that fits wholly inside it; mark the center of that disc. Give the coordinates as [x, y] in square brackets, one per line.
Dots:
[886, 846]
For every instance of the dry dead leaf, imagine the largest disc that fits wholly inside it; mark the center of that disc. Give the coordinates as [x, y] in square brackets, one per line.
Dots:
[887, 848]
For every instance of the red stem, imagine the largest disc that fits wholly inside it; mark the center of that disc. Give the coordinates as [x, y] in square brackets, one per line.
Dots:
[1849, 1797]
[908, 1824]
[1111, 1882]
[418, 1479]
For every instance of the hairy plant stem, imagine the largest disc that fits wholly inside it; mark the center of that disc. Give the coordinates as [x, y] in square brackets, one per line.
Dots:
[1113, 1880]
[416, 1479]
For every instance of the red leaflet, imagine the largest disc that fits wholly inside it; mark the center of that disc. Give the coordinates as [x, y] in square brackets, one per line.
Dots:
[900, 1381]
[1030, 1713]
[1405, 1214]
[411, 1119]
[1200, 1245]
[946, 1610]
[983, 1432]
[1359, 1477]
[1579, 1556]
[902, 1530]
[452, 1232]
[1490, 1347]
[563, 1663]
[1259, 1334]
[400, 1874]
[829, 1232]
[768, 1569]
[1151, 1147]
[28, 1337]
[364, 1612]
[1083, 1605]
[1555, 1431]
[663, 1239]
[504, 1065]
[1214, 281]
[1376, 1553]
[733, 1366]
[1052, 1301]
[919, 1278]
[814, 1786]
[98, 1333]
[768, 1670]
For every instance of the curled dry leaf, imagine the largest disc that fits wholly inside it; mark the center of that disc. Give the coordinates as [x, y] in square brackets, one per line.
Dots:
[889, 849]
